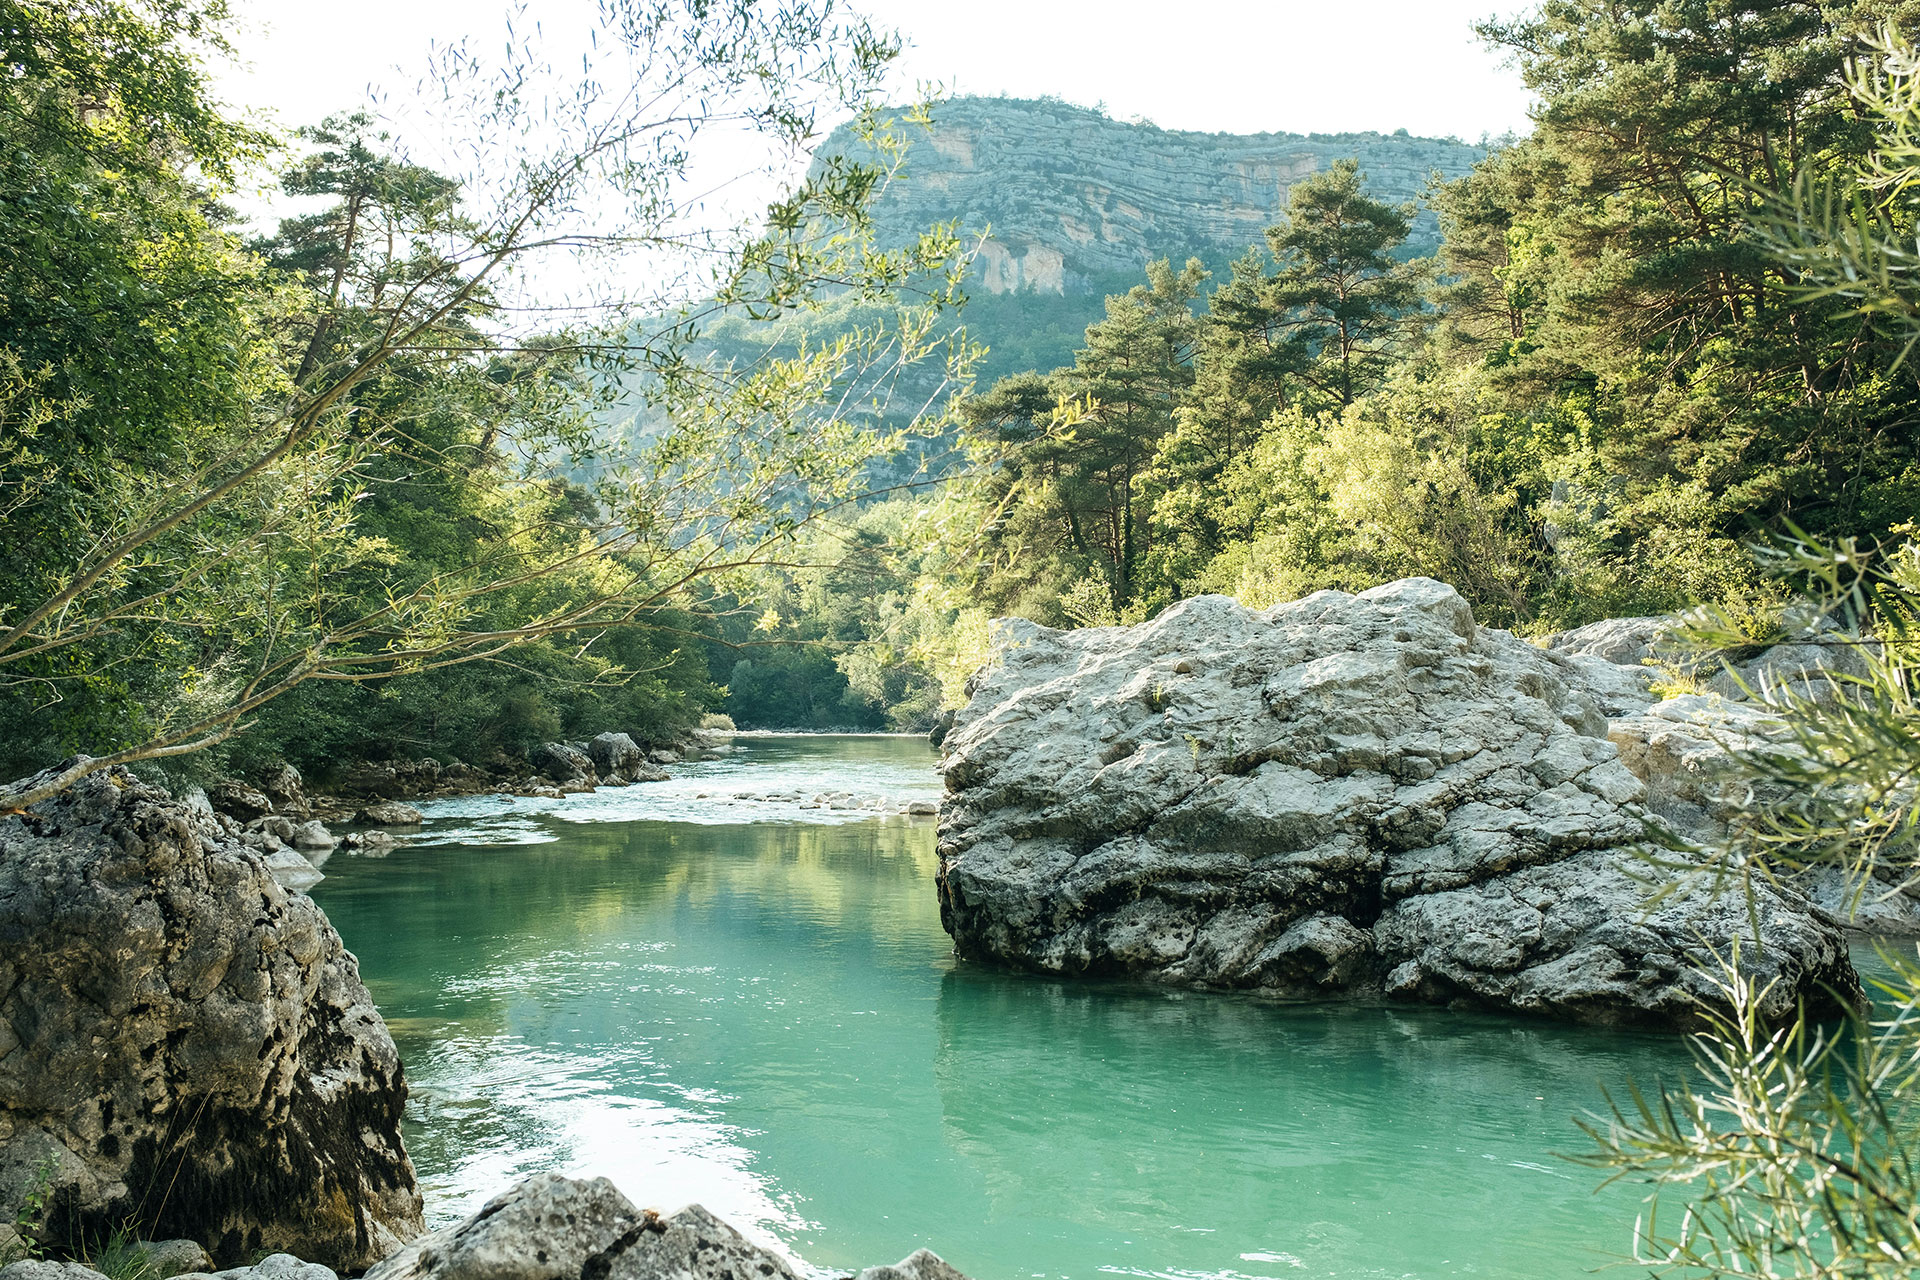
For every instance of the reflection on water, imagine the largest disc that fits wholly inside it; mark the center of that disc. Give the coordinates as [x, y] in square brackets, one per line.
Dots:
[766, 1018]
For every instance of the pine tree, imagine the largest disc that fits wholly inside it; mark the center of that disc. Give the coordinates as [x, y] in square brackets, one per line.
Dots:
[1340, 294]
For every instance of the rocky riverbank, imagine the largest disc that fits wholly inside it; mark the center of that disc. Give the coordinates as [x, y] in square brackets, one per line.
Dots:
[185, 1043]
[546, 1228]
[1343, 796]
[187, 1051]
[295, 832]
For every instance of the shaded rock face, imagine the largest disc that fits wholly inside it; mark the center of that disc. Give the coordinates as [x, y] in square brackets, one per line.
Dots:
[563, 762]
[1341, 795]
[392, 779]
[185, 1045]
[288, 791]
[617, 758]
[238, 799]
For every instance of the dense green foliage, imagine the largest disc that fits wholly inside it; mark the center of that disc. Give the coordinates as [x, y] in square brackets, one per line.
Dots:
[1608, 383]
[309, 498]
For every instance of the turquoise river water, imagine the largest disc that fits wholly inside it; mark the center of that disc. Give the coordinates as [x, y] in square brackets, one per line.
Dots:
[707, 992]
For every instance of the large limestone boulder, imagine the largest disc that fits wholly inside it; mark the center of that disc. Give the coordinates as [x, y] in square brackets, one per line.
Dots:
[555, 1228]
[1342, 795]
[186, 1048]
[389, 813]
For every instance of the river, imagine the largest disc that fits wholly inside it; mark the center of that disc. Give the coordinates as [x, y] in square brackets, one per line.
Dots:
[707, 992]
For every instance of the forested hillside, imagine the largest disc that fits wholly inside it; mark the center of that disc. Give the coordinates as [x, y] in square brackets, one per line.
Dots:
[1613, 379]
[1078, 203]
[1578, 376]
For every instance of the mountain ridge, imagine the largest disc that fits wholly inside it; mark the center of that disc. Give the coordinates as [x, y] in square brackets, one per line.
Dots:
[1079, 203]
[1074, 197]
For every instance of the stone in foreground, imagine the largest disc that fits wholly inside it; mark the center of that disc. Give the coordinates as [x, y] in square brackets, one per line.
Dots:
[1344, 795]
[185, 1046]
[555, 1228]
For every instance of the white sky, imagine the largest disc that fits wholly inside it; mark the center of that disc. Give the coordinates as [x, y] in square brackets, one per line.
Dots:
[1239, 66]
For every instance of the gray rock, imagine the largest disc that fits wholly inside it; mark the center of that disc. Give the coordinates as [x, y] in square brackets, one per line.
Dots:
[238, 799]
[389, 813]
[172, 1017]
[1629, 642]
[1341, 795]
[293, 869]
[1683, 750]
[941, 728]
[288, 791]
[167, 1258]
[923, 1264]
[1616, 689]
[278, 1266]
[562, 763]
[614, 756]
[312, 835]
[1806, 663]
[372, 844]
[554, 1228]
[1812, 665]
[41, 1269]
[392, 779]
[1871, 905]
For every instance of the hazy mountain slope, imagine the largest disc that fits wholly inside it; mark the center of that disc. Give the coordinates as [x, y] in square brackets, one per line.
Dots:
[1079, 203]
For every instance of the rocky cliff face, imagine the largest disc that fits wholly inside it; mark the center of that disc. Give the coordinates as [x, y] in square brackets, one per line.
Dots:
[1080, 203]
[185, 1045]
[1343, 795]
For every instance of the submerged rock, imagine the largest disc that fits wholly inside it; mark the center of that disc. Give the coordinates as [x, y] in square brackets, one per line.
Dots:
[1342, 795]
[185, 1046]
[555, 1228]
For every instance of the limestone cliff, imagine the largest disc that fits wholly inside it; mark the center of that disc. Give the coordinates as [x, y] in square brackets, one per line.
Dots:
[1076, 199]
